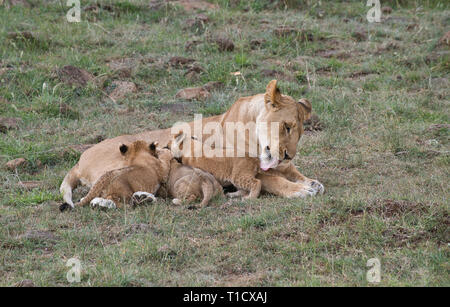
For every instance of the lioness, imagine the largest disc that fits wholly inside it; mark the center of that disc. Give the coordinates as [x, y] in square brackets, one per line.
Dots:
[188, 184]
[145, 171]
[281, 178]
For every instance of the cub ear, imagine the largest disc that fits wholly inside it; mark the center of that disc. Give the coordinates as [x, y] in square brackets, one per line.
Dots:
[152, 146]
[123, 149]
[272, 98]
[307, 108]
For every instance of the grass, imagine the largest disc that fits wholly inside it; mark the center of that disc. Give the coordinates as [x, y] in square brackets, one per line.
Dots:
[382, 154]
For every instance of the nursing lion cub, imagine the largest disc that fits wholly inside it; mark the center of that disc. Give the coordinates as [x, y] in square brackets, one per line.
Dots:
[146, 168]
[239, 171]
[188, 184]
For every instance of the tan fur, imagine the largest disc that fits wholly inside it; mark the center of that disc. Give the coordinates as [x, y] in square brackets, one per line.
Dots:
[189, 184]
[272, 106]
[240, 172]
[146, 170]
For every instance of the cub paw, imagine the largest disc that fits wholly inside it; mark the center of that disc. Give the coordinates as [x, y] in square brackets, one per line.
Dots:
[177, 201]
[103, 203]
[240, 193]
[140, 198]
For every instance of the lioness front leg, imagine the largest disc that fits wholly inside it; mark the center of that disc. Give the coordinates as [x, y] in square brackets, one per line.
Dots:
[291, 173]
[280, 186]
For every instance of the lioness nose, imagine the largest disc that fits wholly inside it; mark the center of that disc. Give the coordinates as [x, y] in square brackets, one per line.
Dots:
[286, 156]
[269, 155]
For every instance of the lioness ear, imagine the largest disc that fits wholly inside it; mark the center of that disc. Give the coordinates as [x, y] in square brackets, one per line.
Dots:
[307, 108]
[272, 97]
[123, 149]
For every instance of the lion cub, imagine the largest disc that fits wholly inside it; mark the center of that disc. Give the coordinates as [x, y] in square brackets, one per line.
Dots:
[239, 171]
[189, 183]
[146, 169]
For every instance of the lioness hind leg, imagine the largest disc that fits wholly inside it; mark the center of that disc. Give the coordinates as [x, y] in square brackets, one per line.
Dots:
[140, 198]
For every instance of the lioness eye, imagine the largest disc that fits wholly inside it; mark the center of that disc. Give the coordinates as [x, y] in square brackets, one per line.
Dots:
[288, 129]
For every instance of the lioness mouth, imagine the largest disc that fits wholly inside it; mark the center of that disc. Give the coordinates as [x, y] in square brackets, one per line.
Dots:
[266, 165]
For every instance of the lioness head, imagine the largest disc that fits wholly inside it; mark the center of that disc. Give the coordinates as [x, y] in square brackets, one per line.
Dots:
[286, 114]
[176, 145]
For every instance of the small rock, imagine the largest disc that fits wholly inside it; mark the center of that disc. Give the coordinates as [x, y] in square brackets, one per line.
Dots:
[180, 62]
[16, 163]
[74, 76]
[121, 89]
[196, 68]
[256, 43]
[99, 138]
[313, 124]
[8, 123]
[193, 72]
[386, 10]
[174, 108]
[359, 35]
[445, 40]
[270, 72]
[223, 43]
[213, 85]
[26, 283]
[191, 44]
[191, 76]
[91, 8]
[412, 26]
[193, 93]
[196, 23]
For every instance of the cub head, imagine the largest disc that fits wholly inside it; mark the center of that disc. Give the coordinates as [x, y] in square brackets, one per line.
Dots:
[279, 126]
[139, 153]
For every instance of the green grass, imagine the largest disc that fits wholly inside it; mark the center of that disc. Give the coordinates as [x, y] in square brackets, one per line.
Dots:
[382, 154]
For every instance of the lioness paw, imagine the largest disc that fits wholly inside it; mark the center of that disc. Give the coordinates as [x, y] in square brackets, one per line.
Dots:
[317, 186]
[103, 203]
[304, 193]
[140, 198]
